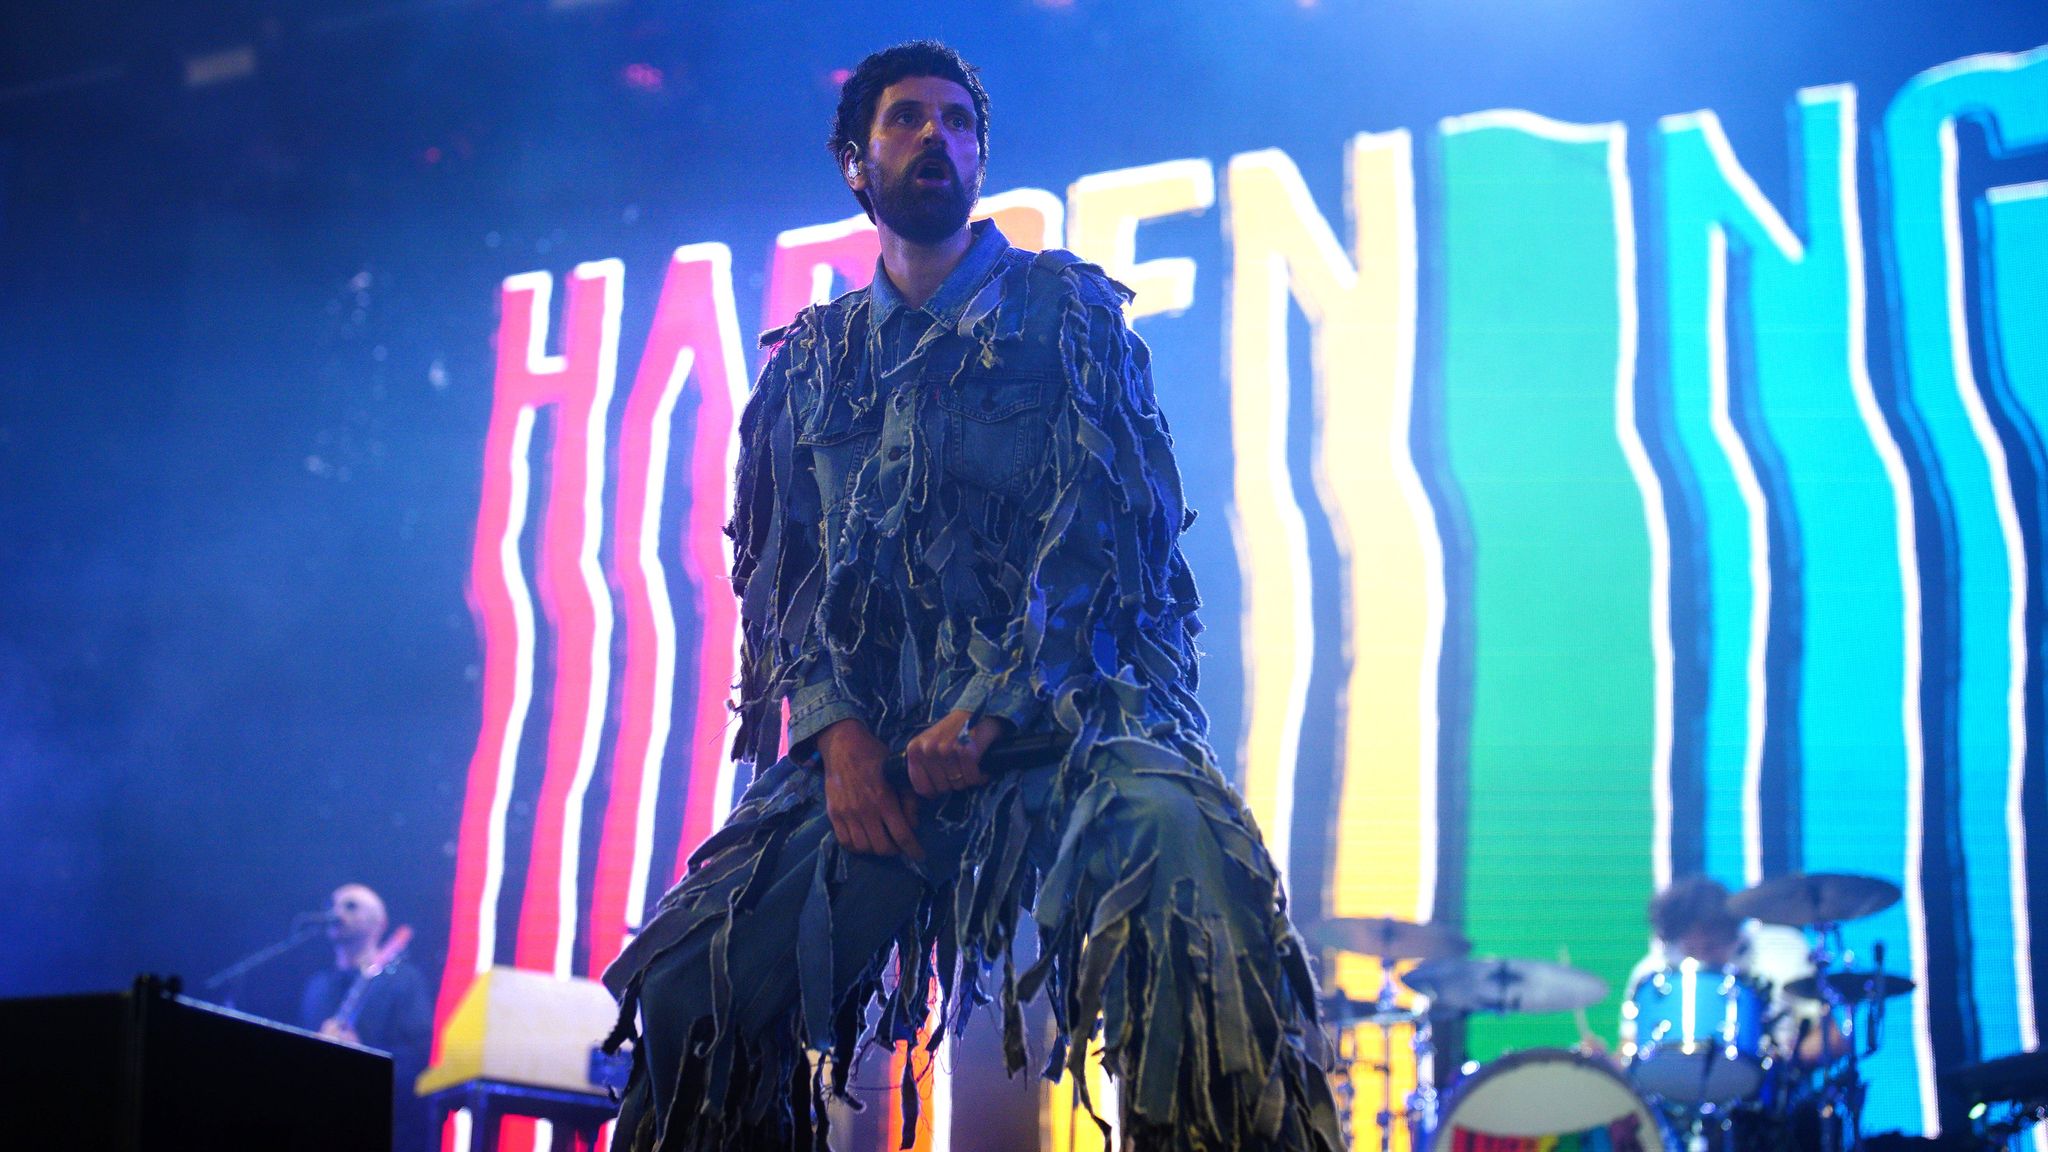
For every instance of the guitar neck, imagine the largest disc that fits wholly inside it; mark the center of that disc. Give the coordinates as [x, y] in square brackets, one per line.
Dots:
[352, 1002]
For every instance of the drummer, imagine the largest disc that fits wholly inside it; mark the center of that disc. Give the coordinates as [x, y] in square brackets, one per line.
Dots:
[1692, 921]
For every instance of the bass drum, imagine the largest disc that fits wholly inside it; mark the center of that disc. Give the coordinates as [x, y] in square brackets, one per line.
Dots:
[1570, 1100]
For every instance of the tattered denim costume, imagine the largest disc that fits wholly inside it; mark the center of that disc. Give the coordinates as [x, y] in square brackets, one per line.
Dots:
[974, 505]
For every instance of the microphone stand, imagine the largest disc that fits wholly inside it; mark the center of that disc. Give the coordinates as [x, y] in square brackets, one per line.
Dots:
[230, 977]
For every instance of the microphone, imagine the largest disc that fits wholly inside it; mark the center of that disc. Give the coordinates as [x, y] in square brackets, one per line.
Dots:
[321, 918]
[1010, 754]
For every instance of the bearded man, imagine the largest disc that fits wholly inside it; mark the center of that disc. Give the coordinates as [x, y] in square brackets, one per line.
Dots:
[957, 518]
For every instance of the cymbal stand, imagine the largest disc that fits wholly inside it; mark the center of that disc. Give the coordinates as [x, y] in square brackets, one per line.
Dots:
[1841, 1086]
[1347, 1090]
[1384, 1007]
[1422, 1101]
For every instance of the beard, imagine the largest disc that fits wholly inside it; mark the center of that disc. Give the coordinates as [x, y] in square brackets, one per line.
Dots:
[921, 215]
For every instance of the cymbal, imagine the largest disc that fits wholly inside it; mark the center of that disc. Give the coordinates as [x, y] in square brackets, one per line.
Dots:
[2020, 1077]
[1341, 1011]
[1389, 939]
[1504, 984]
[1808, 898]
[1851, 987]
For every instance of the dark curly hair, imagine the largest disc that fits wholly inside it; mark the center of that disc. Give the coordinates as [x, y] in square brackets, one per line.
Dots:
[858, 96]
[1696, 902]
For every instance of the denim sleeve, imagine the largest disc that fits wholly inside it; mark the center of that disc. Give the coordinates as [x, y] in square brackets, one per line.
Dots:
[818, 704]
[778, 560]
[1010, 698]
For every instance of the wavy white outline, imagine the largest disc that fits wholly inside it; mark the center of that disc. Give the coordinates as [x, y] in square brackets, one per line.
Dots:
[1291, 570]
[519, 594]
[1614, 134]
[611, 273]
[1538, 125]
[1970, 391]
[736, 393]
[1656, 525]
[661, 613]
[1409, 475]
[1757, 515]
[539, 287]
[1050, 207]
[1909, 583]
[2015, 812]
[1741, 462]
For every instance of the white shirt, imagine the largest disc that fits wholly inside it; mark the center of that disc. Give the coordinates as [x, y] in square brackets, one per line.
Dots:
[1769, 954]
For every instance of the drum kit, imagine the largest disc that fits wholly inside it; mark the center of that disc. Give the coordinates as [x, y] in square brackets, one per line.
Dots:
[1719, 1061]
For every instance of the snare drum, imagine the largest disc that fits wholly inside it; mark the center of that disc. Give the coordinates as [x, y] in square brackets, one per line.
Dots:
[1699, 1036]
[1548, 1096]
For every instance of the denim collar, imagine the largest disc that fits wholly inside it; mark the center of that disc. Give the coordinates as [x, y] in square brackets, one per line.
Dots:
[953, 296]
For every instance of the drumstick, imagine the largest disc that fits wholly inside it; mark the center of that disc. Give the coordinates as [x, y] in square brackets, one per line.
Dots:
[1587, 1038]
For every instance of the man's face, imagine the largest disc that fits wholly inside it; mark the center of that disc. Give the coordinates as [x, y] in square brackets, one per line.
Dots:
[921, 169]
[355, 914]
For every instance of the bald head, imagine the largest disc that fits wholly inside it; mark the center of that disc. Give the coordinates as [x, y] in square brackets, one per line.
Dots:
[356, 917]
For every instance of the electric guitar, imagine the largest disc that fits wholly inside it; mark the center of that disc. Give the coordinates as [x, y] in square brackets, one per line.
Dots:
[342, 1025]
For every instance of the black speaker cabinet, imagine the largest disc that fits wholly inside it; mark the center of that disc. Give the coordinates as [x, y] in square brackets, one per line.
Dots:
[151, 1071]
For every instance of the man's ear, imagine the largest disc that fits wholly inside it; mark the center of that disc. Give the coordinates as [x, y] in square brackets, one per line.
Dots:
[849, 167]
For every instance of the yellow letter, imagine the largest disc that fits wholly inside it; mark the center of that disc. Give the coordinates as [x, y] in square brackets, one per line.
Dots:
[1106, 208]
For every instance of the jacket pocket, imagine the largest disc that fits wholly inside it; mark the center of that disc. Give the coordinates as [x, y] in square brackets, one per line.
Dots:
[996, 428]
[839, 438]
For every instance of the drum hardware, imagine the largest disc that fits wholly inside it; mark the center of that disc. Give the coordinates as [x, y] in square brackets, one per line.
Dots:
[1386, 1007]
[1851, 987]
[1503, 985]
[1419, 1112]
[2020, 1077]
[1458, 987]
[1842, 1089]
[1341, 1011]
[1345, 1015]
[1388, 940]
[1819, 903]
[1814, 899]
[1703, 1049]
[2015, 1086]
[1539, 1092]
[1699, 1036]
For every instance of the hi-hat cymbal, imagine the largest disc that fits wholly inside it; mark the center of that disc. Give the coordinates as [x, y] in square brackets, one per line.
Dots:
[1807, 898]
[1504, 984]
[1852, 987]
[1389, 939]
[1341, 1011]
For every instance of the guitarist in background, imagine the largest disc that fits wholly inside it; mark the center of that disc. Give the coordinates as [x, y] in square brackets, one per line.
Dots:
[372, 997]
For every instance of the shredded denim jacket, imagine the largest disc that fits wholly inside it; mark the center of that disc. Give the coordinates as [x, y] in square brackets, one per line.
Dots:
[979, 512]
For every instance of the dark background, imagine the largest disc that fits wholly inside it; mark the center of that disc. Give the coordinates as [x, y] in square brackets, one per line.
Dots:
[246, 350]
